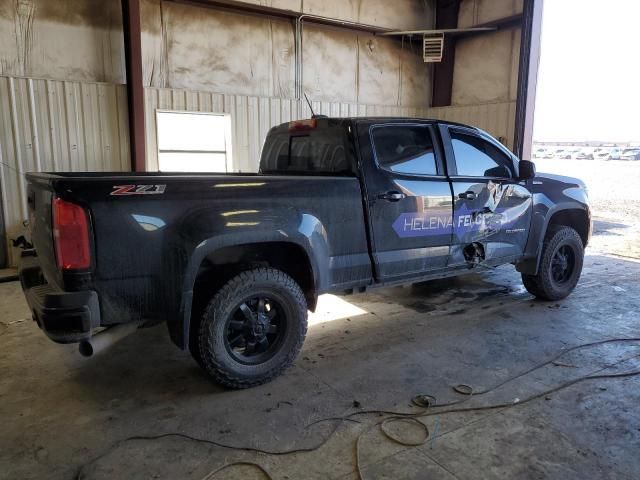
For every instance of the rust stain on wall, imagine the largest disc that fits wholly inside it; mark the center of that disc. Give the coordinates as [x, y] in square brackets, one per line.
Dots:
[99, 14]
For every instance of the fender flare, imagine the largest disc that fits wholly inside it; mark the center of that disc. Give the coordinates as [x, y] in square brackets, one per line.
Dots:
[314, 246]
[531, 263]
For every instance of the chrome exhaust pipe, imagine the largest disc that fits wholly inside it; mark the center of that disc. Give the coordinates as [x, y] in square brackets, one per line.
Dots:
[106, 338]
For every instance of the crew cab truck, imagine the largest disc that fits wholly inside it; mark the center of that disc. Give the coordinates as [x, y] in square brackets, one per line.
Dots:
[233, 262]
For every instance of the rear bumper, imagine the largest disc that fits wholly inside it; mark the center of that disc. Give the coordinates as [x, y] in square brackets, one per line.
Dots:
[66, 317]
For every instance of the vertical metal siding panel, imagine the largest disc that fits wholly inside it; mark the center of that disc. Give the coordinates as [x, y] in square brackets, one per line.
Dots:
[501, 122]
[178, 101]
[511, 122]
[164, 99]
[489, 119]
[285, 111]
[18, 200]
[230, 108]
[218, 103]
[41, 103]
[58, 113]
[335, 109]
[275, 105]
[102, 159]
[9, 176]
[123, 128]
[151, 103]
[191, 101]
[76, 145]
[264, 117]
[109, 127]
[86, 116]
[34, 140]
[253, 132]
[52, 118]
[205, 103]
[26, 128]
[4, 198]
[18, 150]
[242, 122]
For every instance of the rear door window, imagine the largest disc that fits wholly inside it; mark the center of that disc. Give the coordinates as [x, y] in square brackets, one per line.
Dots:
[406, 149]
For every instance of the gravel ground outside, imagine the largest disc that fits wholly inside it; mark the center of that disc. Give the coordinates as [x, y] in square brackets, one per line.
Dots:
[615, 205]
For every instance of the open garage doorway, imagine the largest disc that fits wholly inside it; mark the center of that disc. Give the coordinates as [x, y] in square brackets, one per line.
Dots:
[586, 117]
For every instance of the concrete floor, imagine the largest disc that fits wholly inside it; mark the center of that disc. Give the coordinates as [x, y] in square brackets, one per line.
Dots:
[60, 412]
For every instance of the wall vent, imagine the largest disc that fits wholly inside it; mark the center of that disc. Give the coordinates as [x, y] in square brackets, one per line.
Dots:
[432, 46]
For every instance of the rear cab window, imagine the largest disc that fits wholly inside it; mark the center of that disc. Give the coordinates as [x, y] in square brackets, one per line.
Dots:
[309, 147]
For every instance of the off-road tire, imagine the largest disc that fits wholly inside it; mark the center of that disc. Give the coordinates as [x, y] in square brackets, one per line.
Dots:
[542, 285]
[212, 354]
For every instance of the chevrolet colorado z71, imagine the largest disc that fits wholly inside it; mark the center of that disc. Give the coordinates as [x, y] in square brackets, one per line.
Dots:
[233, 262]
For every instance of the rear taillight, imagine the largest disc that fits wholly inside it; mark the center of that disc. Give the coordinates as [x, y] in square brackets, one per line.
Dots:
[71, 235]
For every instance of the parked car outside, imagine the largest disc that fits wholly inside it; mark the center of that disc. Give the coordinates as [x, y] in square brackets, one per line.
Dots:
[607, 154]
[630, 154]
[539, 153]
[554, 153]
[585, 154]
[568, 153]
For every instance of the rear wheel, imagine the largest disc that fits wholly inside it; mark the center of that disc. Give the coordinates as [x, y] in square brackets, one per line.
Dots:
[252, 329]
[560, 265]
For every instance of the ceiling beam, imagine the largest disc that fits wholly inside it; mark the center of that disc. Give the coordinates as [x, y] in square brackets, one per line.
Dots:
[235, 6]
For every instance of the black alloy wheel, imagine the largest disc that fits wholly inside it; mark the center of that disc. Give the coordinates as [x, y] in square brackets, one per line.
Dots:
[563, 264]
[255, 329]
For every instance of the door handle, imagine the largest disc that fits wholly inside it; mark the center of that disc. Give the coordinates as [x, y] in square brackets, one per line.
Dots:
[392, 196]
[468, 195]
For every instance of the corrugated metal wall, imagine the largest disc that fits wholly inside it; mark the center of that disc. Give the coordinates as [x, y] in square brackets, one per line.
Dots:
[496, 118]
[48, 125]
[251, 117]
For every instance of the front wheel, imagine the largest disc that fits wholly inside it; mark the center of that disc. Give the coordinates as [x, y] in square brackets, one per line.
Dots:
[252, 329]
[560, 265]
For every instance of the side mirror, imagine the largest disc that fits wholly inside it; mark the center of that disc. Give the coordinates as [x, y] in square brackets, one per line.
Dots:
[527, 169]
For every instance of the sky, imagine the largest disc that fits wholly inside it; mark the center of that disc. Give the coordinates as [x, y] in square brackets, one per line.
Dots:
[589, 75]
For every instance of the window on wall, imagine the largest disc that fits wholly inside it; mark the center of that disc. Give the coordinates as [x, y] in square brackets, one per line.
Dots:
[194, 142]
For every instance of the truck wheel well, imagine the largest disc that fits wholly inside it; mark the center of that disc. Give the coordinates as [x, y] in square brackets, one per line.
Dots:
[225, 263]
[574, 218]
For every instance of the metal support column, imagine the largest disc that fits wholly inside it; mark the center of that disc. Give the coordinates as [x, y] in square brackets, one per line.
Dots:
[527, 77]
[135, 89]
[446, 17]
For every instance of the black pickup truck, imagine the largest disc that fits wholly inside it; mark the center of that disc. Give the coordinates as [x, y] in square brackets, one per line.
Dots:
[233, 262]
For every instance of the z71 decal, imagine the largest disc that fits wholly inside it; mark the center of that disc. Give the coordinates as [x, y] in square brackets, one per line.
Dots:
[138, 189]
